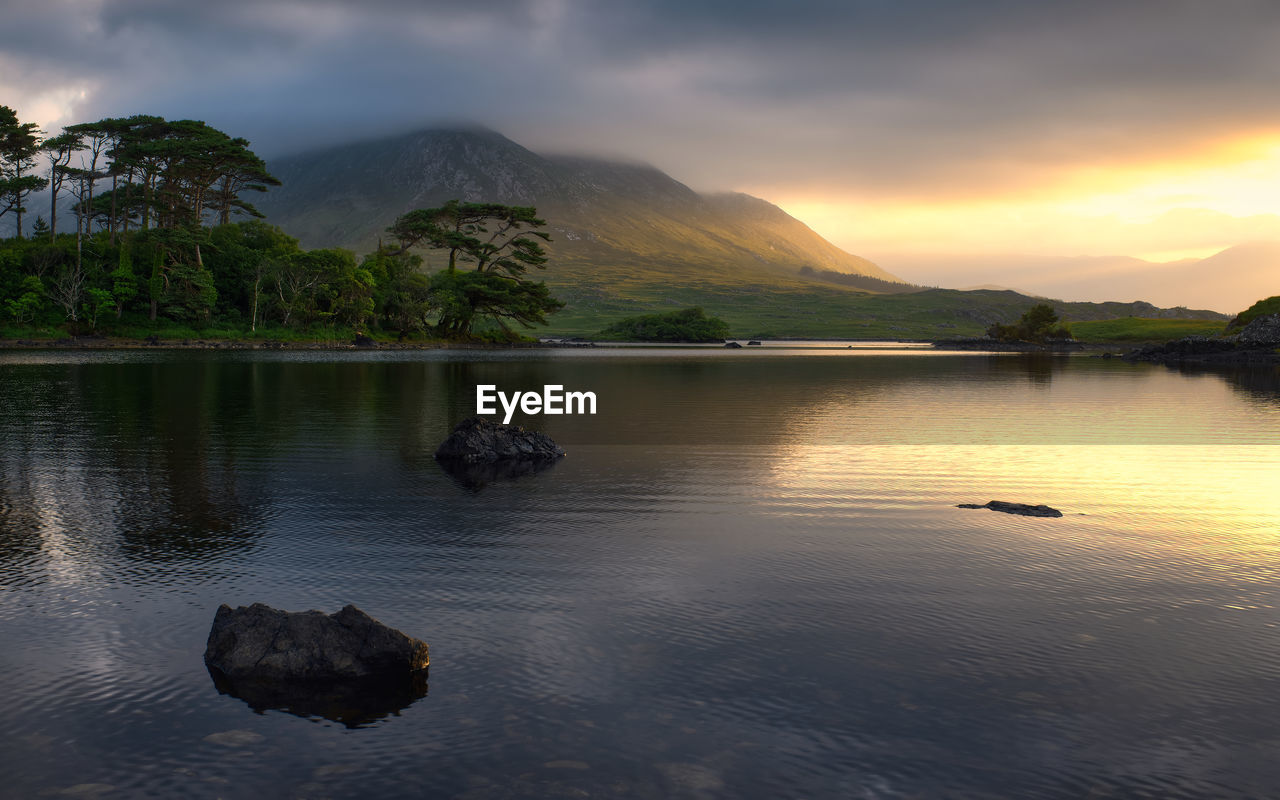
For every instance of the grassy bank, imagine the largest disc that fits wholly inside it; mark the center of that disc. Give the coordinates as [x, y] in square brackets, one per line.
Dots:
[815, 311]
[1138, 329]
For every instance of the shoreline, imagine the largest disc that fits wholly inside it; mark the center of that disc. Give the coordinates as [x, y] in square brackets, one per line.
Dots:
[103, 343]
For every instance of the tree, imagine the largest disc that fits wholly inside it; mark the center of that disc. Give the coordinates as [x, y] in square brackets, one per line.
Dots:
[402, 297]
[503, 242]
[686, 325]
[243, 256]
[28, 302]
[124, 283]
[1036, 325]
[463, 230]
[19, 144]
[464, 297]
[296, 279]
[59, 150]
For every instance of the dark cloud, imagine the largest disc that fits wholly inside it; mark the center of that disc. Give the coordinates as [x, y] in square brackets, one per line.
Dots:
[891, 97]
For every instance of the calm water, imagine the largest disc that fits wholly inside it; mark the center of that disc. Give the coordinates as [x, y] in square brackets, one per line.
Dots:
[747, 579]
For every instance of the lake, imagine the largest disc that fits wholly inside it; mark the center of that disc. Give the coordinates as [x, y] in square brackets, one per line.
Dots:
[748, 578]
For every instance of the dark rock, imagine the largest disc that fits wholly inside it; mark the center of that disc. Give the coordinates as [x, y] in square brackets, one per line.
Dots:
[1206, 350]
[363, 340]
[354, 703]
[1021, 509]
[753, 343]
[733, 345]
[261, 643]
[476, 440]
[1261, 331]
[997, 346]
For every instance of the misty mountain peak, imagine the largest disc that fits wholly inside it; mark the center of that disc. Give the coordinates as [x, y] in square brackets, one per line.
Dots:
[605, 212]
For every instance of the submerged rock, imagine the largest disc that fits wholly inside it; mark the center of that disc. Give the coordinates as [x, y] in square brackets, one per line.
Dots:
[1021, 509]
[476, 440]
[261, 643]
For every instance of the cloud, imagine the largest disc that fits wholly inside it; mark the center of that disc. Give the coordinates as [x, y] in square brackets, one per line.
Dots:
[863, 102]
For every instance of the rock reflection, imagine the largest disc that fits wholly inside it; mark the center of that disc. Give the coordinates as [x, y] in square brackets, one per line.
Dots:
[354, 703]
[1259, 383]
[474, 477]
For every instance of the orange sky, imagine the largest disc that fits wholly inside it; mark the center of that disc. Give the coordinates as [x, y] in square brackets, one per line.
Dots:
[1221, 194]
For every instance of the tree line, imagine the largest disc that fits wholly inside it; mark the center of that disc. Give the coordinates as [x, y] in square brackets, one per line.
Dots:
[160, 237]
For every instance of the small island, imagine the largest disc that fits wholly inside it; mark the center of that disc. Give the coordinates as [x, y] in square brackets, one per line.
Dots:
[687, 326]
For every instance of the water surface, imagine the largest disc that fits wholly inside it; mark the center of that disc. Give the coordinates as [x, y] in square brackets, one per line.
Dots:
[747, 579]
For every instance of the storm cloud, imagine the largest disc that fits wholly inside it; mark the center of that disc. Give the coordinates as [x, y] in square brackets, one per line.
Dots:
[911, 99]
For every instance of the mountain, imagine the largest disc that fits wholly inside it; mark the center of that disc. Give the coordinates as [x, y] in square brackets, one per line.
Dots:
[602, 215]
[629, 239]
[1227, 282]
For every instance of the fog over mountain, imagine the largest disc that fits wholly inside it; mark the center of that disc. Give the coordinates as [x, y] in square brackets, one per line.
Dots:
[600, 213]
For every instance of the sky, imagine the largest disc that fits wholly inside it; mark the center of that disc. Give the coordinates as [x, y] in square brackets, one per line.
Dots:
[925, 135]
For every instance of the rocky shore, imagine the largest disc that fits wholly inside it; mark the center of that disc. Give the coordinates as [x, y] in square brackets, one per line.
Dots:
[154, 343]
[995, 346]
[1257, 343]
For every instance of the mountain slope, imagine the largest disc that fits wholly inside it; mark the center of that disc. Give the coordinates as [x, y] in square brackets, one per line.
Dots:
[605, 217]
[629, 239]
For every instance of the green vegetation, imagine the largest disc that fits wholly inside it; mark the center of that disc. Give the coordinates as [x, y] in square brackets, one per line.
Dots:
[1140, 329]
[19, 145]
[161, 244]
[868, 283]
[1270, 305]
[145, 258]
[1038, 324]
[687, 325]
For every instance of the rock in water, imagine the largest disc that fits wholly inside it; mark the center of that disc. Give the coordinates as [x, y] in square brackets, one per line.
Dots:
[476, 440]
[266, 644]
[1021, 509]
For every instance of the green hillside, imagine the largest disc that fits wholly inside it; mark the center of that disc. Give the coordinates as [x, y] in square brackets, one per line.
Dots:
[605, 217]
[772, 311]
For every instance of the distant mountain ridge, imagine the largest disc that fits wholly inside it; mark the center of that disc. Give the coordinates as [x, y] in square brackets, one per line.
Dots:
[602, 214]
[1227, 281]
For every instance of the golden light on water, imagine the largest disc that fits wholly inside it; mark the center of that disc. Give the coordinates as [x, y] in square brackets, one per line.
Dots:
[1204, 500]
